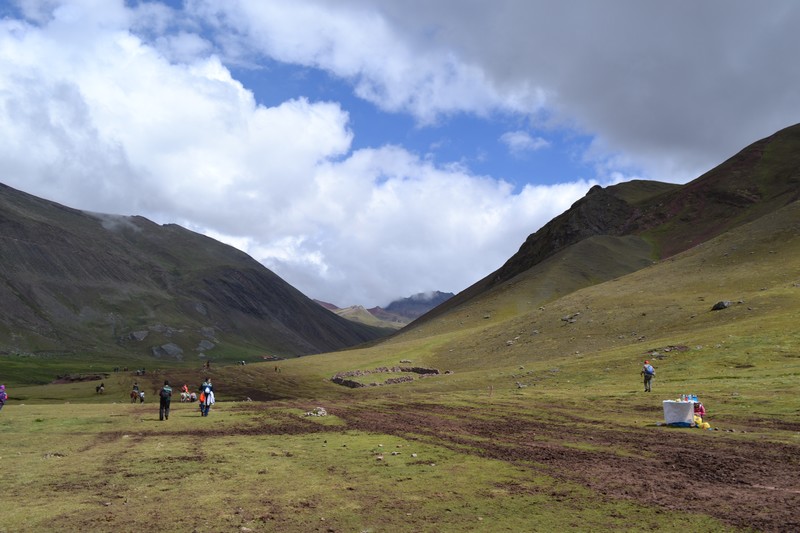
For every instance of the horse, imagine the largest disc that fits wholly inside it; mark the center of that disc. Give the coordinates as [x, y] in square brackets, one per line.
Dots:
[134, 395]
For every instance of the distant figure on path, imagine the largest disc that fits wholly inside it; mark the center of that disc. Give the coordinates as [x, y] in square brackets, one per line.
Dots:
[164, 397]
[3, 396]
[648, 372]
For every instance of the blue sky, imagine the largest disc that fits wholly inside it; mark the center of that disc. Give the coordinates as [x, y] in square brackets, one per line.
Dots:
[462, 137]
[368, 150]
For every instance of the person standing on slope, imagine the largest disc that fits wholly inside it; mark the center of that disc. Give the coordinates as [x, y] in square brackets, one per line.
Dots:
[648, 372]
[164, 399]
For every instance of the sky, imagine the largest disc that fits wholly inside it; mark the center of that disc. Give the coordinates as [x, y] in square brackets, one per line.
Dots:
[368, 150]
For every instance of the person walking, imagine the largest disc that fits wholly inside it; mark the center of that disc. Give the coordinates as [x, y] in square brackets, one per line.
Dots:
[164, 396]
[3, 396]
[648, 372]
[206, 396]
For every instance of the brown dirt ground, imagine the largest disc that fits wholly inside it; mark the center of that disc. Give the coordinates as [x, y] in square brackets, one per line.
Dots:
[741, 479]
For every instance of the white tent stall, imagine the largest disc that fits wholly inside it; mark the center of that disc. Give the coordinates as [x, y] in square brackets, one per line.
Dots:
[679, 414]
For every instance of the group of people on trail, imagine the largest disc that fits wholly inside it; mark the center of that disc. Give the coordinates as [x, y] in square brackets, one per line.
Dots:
[206, 397]
[137, 394]
[165, 397]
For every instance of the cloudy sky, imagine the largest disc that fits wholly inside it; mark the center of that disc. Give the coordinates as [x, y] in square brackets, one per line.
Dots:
[366, 150]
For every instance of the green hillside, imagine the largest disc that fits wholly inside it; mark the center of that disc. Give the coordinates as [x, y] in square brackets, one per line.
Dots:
[542, 424]
[517, 405]
[79, 286]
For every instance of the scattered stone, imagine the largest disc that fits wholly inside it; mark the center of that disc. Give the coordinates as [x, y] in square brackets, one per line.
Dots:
[169, 349]
[205, 345]
[139, 335]
[570, 319]
[341, 377]
[317, 411]
[724, 304]
[49, 455]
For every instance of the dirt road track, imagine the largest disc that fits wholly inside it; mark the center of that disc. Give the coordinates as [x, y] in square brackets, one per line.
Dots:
[745, 482]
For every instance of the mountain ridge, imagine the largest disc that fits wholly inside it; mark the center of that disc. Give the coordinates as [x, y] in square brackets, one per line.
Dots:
[758, 180]
[397, 314]
[78, 282]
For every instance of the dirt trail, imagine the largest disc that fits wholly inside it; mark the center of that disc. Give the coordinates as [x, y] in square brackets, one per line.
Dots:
[745, 483]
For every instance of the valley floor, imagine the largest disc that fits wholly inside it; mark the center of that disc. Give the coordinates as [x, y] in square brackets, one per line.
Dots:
[446, 463]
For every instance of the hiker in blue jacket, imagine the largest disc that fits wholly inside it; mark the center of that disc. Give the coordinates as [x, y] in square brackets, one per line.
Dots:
[206, 396]
[648, 372]
[164, 399]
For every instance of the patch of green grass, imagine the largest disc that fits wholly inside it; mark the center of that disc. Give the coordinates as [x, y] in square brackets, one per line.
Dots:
[118, 467]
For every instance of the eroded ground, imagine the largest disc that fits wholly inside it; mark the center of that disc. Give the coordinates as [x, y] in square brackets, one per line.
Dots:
[740, 478]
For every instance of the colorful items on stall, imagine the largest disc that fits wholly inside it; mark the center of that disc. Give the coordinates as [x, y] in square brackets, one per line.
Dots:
[686, 411]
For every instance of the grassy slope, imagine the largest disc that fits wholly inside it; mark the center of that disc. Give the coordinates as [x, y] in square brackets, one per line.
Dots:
[513, 357]
[667, 303]
[359, 314]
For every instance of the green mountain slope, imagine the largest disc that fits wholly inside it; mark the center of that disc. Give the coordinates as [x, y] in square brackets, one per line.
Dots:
[78, 283]
[761, 178]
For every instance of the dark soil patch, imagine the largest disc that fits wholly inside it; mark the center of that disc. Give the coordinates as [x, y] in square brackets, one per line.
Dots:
[743, 483]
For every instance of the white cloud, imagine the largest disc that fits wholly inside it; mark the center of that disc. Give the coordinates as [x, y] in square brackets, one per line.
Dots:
[676, 87]
[398, 220]
[160, 128]
[393, 70]
[519, 142]
[133, 110]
